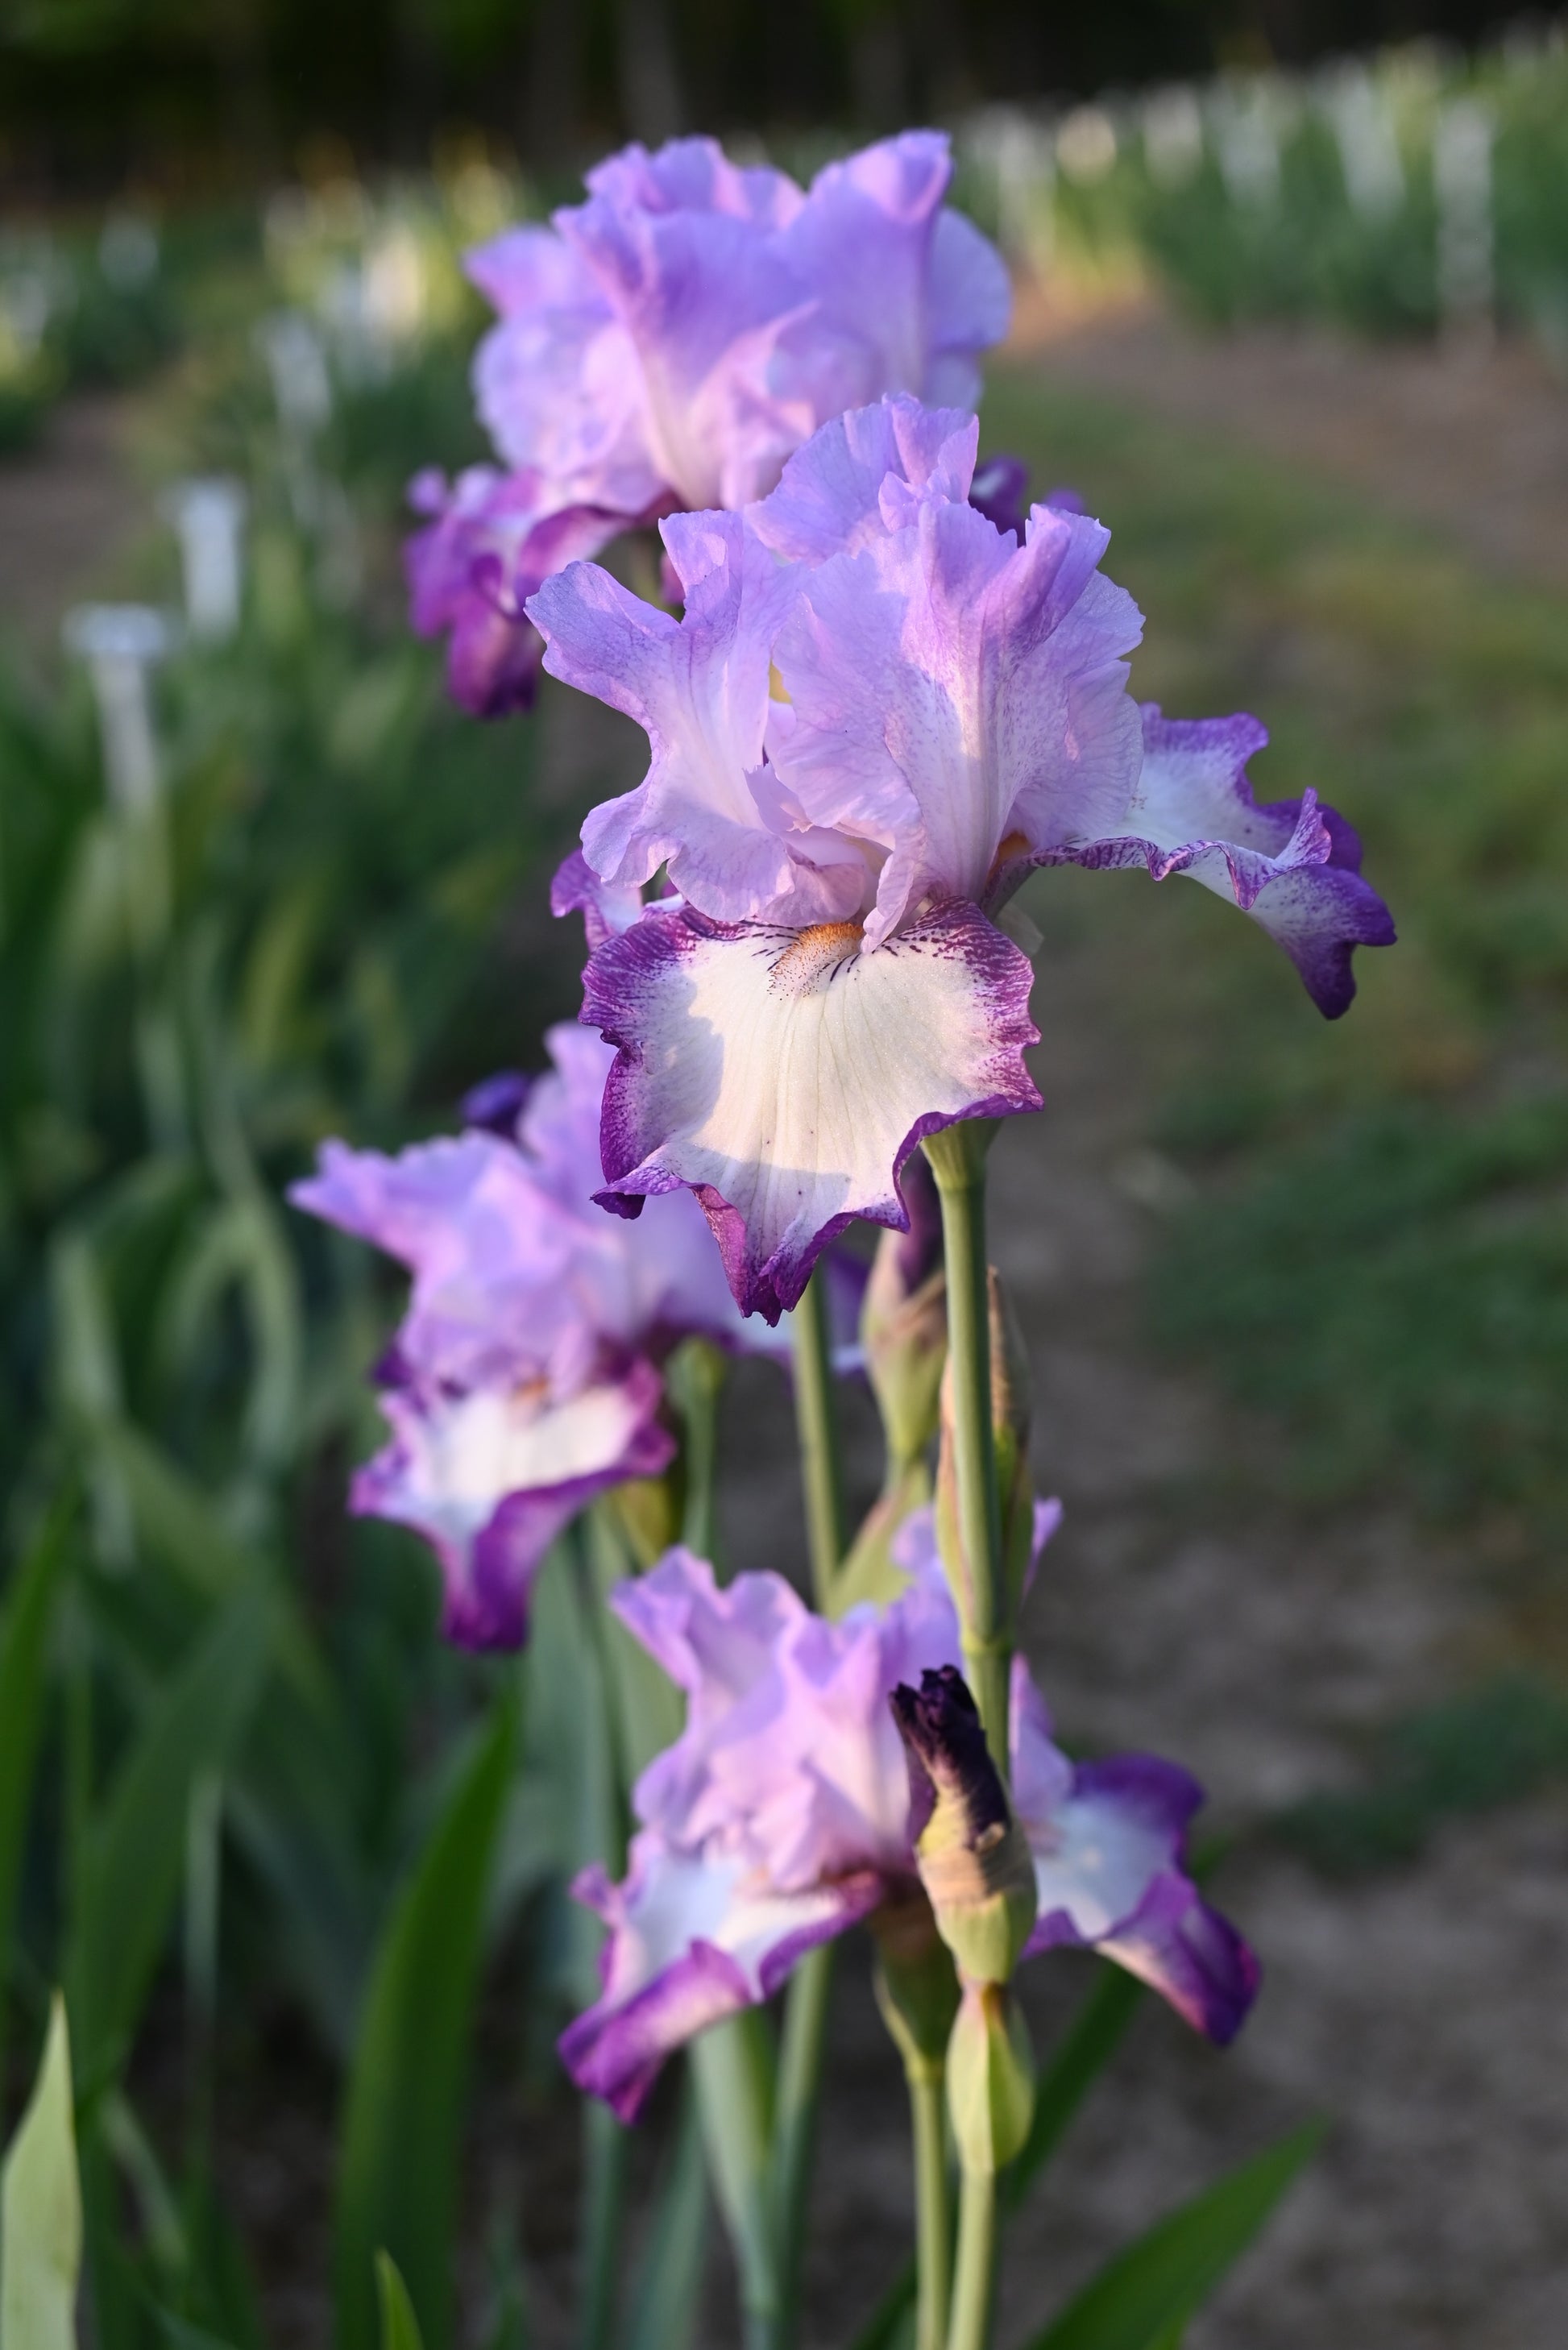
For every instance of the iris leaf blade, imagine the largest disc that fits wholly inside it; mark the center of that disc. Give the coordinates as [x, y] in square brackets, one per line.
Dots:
[397, 2173]
[1145, 2296]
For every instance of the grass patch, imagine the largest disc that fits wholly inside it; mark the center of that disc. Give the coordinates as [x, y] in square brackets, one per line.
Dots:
[1491, 1746]
[1378, 1248]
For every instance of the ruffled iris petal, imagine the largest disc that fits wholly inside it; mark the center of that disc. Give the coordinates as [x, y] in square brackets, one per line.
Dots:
[1108, 1840]
[694, 1936]
[490, 1477]
[786, 1077]
[492, 538]
[1292, 865]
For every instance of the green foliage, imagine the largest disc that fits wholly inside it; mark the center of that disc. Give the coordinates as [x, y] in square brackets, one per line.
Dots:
[1489, 1745]
[41, 2210]
[399, 2327]
[23, 1630]
[129, 1872]
[1143, 2299]
[1399, 1290]
[397, 2191]
[1087, 2048]
[666, 2293]
[1375, 1242]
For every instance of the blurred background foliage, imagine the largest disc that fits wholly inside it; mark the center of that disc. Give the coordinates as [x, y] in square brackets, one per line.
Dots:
[97, 90]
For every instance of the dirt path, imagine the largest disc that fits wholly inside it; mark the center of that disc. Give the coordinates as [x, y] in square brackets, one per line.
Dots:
[68, 508]
[1475, 442]
[1188, 1607]
[1185, 1609]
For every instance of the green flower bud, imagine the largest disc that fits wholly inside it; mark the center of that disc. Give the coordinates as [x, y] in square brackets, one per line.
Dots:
[903, 1322]
[973, 1856]
[869, 1572]
[990, 2077]
[917, 1988]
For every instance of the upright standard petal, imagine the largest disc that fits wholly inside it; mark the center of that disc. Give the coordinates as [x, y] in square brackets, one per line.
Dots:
[608, 908]
[556, 383]
[949, 689]
[1293, 864]
[699, 689]
[829, 497]
[786, 1076]
[1109, 1845]
[490, 1256]
[789, 1756]
[670, 340]
[778, 1819]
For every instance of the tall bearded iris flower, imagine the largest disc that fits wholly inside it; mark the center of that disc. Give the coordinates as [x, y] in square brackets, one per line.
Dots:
[524, 1377]
[782, 1816]
[876, 714]
[669, 343]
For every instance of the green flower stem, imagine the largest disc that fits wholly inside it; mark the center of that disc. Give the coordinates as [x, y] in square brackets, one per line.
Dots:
[204, 1896]
[733, 2065]
[958, 1162]
[806, 2000]
[933, 2220]
[695, 1375]
[795, 2119]
[974, 2284]
[605, 2147]
[816, 1422]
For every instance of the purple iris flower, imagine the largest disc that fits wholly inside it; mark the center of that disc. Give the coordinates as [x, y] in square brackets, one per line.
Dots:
[781, 1816]
[491, 540]
[525, 1376]
[876, 713]
[669, 343]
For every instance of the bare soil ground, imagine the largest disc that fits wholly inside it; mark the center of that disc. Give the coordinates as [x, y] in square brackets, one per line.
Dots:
[1472, 439]
[1186, 1607]
[68, 508]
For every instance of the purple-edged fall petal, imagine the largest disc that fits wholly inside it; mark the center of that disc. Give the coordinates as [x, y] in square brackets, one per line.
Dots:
[1293, 864]
[786, 1076]
[491, 1477]
[1109, 1845]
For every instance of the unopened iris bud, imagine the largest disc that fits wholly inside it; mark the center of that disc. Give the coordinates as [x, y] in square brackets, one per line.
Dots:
[1010, 1416]
[973, 1856]
[917, 1988]
[990, 2077]
[904, 1340]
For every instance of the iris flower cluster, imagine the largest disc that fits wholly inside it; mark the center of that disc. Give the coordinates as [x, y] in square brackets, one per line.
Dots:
[665, 346]
[879, 689]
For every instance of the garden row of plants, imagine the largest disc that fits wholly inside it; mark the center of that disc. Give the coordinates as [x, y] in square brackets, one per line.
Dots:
[1391, 194]
[1395, 193]
[221, 1704]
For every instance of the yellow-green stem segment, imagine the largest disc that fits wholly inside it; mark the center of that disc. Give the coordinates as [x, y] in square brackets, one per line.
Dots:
[958, 1162]
[933, 2220]
[816, 1422]
[974, 2282]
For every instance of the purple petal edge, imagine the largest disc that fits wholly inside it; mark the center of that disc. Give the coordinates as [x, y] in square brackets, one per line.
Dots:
[619, 970]
[618, 2054]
